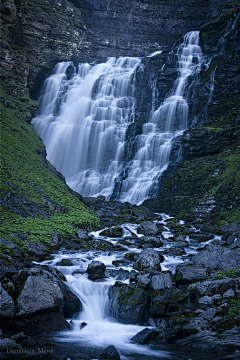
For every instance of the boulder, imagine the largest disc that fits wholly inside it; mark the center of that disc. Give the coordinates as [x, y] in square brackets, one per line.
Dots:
[39, 295]
[167, 299]
[55, 239]
[47, 321]
[143, 281]
[151, 241]
[129, 304]
[9, 344]
[148, 228]
[188, 273]
[233, 228]
[37, 250]
[96, 270]
[12, 246]
[24, 340]
[110, 353]
[161, 281]
[218, 257]
[7, 309]
[71, 302]
[82, 234]
[146, 336]
[65, 262]
[194, 326]
[209, 288]
[148, 258]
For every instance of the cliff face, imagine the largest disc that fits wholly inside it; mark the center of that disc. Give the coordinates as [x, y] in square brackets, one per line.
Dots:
[36, 35]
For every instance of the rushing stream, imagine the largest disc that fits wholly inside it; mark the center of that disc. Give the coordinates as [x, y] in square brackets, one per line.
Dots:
[85, 112]
[102, 327]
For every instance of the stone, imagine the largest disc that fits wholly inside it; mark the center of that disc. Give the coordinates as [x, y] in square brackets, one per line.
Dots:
[167, 299]
[24, 340]
[231, 228]
[209, 314]
[217, 257]
[37, 250]
[189, 273]
[82, 234]
[39, 295]
[148, 228]
[151, 241]
[229, 293]
[129, 304]
[65, 262]
[148, 258]
[143, 281]
[55, 239]
[12, 246]
[161, 281]
[110, 353]
[96, 270]
[194, 326]
[206, 300]
[146, 336]
[71, 303]
[47, 321]
[214, 286]
[7, 309]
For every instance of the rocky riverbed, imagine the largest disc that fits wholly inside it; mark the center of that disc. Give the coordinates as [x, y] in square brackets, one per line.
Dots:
[143, 284]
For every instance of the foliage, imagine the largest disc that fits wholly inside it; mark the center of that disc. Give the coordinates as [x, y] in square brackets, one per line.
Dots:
[226, 273]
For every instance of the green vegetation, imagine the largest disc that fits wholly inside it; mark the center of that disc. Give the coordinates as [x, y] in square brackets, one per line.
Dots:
[226, 273]
[234, 310]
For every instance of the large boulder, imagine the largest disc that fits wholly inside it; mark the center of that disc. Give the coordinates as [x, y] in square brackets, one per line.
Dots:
[96, 270]
[7, 309]
[218, 257]
[71, 302]
[37, 250]
[129, 304]
[39, 295]
[82, 234]
[189, 273]
[148, 258]
[148, 228]
[150, 241]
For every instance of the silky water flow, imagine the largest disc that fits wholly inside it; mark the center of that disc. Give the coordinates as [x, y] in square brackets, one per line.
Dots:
[83, 120]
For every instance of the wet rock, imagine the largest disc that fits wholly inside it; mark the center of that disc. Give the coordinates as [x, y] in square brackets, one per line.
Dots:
[218, 258]
[129, 303]
[110, 353]
[7, 309]
[229, 293]
[148, 259]
[151, 241]
[201, 237]
[189, 273]
[71, 303]
[146, 336]
[209, 314]
[231, 228]
[214, 286]
[161, 281]
[206, 300]
[83, 324]
[38, 295]
[47, 321]
[65, 262]
[116, 231]
[96, 270]
[37, 250]
[147, 228]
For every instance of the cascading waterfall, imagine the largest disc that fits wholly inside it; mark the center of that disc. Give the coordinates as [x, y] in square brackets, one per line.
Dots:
[168, 121]
[83, 120]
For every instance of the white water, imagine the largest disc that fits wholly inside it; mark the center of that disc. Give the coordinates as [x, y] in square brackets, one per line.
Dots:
[83, 120]
[165, 123]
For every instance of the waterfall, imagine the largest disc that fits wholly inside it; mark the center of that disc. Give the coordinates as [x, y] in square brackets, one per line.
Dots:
[84, 114]
[165, 123]
[83, 120]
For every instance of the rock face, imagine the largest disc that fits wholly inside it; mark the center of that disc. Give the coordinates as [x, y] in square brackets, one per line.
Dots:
[128, 303]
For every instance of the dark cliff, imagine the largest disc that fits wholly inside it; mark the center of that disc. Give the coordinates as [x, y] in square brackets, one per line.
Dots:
[36, 35]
